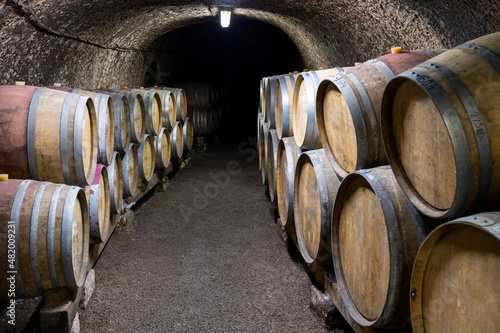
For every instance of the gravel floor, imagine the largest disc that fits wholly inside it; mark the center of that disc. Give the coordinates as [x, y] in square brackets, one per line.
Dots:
[204, 256]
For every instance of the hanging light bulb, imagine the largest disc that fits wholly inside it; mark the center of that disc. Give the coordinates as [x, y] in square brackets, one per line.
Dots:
[225, 18]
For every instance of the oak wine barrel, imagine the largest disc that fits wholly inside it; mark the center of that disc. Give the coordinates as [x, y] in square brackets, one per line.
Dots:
[348, 110]
[288, 155]
[188, 134]
[154, 110]
[263, 136]
[200, 122]
[115, 180]
[180, 98]
[283, 96]
[315, 187]
[376, 234]
[260, 121]
[138, 115]
[305, 127]
[177, 141]
[263, 92]
[99, 205]
[105, 124]
[122, 122]
[454, 286]
[48, 235]
[146, 155]
[162, 150]
[47, 135]
[441, 128]
[131, 171]
[169, 108]
[270, 102]
[272, 160]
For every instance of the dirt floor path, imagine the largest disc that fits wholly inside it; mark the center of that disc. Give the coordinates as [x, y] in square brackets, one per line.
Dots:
[205, 256]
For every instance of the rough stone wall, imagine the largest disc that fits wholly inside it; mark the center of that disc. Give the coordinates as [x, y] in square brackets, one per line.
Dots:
[90, 43]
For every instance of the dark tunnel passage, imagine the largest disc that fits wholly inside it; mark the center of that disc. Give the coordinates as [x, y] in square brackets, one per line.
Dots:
[233, 59]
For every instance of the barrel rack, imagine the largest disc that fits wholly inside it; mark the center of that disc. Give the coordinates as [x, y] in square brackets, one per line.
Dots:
[57, 311]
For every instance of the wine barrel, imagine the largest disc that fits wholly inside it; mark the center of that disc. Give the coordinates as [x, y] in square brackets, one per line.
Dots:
[305, 127]
[180, 98]
[260, 121]
[288, 155]
[47, 135]
[198, 94]
[270, 102]
[105, 124]
[162, 150]
[282, 104]
[131, 171]
[48, 236]
[200, 122]
[154, 110]
[315, 187]
[348, 110]
[263, 136]
[138, 116]
[376, 233]
[99, 205]
[263, 92]
[188, 134]
[454, 285]
[441, 127]
[122, 122]
[146, 155]
[115, 180]
[169, 108]
[272, 160]
[177, 141]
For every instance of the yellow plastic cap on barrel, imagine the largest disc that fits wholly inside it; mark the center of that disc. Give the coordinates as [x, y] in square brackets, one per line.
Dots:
[357, 63]
[4, 176]
[20, 83]
[396, 49]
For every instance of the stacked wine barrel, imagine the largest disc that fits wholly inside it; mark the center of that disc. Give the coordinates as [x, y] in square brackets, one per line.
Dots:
[205, 107]
[72, 156]
[387, 172]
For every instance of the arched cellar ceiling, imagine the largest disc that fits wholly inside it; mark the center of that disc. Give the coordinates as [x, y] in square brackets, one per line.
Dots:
[80, 33]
